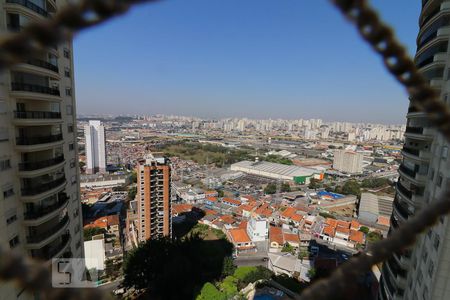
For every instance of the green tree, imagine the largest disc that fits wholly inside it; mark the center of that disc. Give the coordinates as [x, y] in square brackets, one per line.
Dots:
[313, 183]
[133, 177]
[132, 193]
[229, 286]
[303, 253]
[271, 188]
[285, 187]
[288, 248]
[172, 269]
[228, 266]
[220, 193]
[311, 273]
[364, 229]
[210, 292]
[88, 233]
[351, 187]
[374, 236]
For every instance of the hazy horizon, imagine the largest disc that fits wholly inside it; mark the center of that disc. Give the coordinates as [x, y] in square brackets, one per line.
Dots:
[256, 59]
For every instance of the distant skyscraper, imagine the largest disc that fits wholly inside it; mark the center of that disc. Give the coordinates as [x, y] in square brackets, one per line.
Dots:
[94, 134]
[422, 271]
[153, 195]
[40, 209]
[347, 161]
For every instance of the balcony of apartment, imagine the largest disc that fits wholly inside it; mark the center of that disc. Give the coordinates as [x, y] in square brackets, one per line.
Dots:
[408, 193]
[56, 249]
[36, 87]
[415, 176]
[36, 117]
[43, 212]
[31, 9]
[401, 210]
[417, 153]
[38, 66]
[393, 292]
[38, 138]
[42, 235]
[41, 162]
[41, 187]
[403, 259]
[420, 133]
[397, 272]
[436, 29]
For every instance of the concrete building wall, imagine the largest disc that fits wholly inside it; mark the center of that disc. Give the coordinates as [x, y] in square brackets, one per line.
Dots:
[39, 177]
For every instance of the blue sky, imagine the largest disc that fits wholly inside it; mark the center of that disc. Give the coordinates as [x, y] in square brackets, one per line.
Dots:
[233, 58]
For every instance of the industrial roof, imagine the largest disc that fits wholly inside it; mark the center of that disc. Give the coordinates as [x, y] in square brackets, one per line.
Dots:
[377, 205]
[281, 169]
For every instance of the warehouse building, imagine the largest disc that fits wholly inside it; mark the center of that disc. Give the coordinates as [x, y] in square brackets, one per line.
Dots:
[277, 171]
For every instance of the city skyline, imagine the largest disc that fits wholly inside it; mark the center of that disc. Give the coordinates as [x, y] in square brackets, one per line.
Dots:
[213, 60]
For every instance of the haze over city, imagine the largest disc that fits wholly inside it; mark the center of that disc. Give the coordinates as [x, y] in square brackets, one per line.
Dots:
[256, 59]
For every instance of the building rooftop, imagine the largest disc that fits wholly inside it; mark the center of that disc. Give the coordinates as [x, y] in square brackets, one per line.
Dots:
[239, 235]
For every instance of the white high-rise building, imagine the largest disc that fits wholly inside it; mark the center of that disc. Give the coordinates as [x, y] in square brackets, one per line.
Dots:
[94, 134]
[422, 271]
[40, 209]
[347, 161]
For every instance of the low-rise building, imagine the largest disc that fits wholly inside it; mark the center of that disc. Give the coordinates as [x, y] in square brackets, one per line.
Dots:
[258, 229]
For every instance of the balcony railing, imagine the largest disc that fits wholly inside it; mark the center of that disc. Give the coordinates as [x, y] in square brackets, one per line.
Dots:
[431, 15]
[39, 237]
[25, 87]
[36, 140]
[404, 190]
[36, 165]
[37, 189]
[403, 211]
[42, 64]
[41, 211]
[30, 5]
[416, 130]
[409, 172]
[58, 248]
[37, 115]
[412, 151]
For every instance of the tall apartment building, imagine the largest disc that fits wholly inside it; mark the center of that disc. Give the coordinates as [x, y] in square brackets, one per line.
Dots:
[347, 161]
[40, 210]
[422, 272]
[94, 134]
[153, 195]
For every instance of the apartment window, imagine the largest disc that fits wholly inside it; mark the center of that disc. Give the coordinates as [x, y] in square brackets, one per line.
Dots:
[73, 179]
[432, 174]
[444, 152]
[430, 269]
[71, 146]
[67, 72]
[8, 192]
[439, 180]
[5, 164]
[70, 128]
[419, 277]
[4, 134]
[14, 242]
[68, 91]
[11, 219]
[424, 256]
[436, 242]
[69, 110]
[66, 53]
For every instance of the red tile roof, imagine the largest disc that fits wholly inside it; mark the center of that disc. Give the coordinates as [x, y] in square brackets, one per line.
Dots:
[231, 201]
[243, 225]
[227, 219]
[239, 235]
[276, 235]
[329, 231]
[181, 208]
[212, 199]
[383, 221]
[355, 225]
[331, 222]
[296, 217]
[291, 237]
[356, 236]
[288, 212]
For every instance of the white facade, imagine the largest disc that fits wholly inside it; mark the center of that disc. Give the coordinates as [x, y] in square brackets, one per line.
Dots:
[94, 252]
[258, 229]
[347, 161]
[94, 134]
[40, 209]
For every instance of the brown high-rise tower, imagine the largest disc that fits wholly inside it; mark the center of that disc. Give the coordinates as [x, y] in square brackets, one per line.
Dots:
[153, 195]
